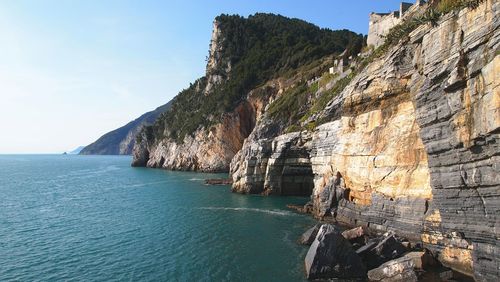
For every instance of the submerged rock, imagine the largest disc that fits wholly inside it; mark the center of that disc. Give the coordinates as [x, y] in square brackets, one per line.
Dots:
[332, 256]
[301, 209]
[219, 181]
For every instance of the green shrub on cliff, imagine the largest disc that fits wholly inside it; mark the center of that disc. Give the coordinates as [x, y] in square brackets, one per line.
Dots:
[395, 35]
[432, 14]
[290, 106]
[446, 6]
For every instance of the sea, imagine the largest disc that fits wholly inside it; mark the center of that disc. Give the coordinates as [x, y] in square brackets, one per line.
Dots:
[96, 218]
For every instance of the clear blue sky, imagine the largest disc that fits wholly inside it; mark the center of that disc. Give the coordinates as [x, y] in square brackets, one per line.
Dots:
[71, 71]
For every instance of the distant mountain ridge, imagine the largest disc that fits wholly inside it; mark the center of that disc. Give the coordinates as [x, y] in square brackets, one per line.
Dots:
[76, 151]
[121, 140]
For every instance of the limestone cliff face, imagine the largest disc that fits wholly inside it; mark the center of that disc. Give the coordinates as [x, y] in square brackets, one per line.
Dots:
[279, 166]
[413, 145]
[218, 67]
[208, 150]
[458, 110]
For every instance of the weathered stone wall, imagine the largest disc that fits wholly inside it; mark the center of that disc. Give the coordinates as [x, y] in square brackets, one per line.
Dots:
[380, 24]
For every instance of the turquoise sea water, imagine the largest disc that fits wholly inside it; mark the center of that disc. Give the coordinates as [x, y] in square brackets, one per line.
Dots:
[94, 218]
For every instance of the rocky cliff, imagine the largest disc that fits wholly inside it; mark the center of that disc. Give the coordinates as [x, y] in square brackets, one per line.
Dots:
[202, 151]
[411, 142]
[122, 140]
[403, 138]
[248, 59]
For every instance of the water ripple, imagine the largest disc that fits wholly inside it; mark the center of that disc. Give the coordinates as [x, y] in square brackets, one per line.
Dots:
[98, 219]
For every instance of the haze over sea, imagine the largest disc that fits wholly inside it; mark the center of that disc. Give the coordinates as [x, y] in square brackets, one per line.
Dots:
[91, 218]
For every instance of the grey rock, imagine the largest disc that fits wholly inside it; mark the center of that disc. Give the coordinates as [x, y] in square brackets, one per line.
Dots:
[278, 166]
[367, 248]
[308, 237]
[354, 233]
[397, 270]
[446, 275]
[332, 256]
[389, 248]
[381, 250]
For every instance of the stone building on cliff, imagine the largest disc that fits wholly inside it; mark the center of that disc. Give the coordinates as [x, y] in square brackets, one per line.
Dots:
[381, 23]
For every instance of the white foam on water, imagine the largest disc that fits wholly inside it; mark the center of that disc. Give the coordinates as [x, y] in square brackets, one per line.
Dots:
[273, 212]
[147, 183]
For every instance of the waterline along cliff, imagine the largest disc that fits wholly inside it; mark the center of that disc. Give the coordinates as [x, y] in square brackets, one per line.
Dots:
[399, 135]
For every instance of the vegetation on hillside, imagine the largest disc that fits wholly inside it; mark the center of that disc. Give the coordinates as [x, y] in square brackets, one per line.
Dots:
[259, 48]
[265, 46]
[394, 36]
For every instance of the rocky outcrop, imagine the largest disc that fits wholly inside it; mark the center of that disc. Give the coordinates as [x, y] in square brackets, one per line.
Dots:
[412, 144]
[210, 119]
[218, 181]
[400, 269]
[308, 237]
[332, 256]
[209, 151]
[387, 257]
[279, 166]
[218, 67]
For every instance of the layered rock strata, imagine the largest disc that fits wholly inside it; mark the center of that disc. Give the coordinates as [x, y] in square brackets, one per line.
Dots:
[279, 166]
[412, 145]
[458, 110]
[209, 120]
